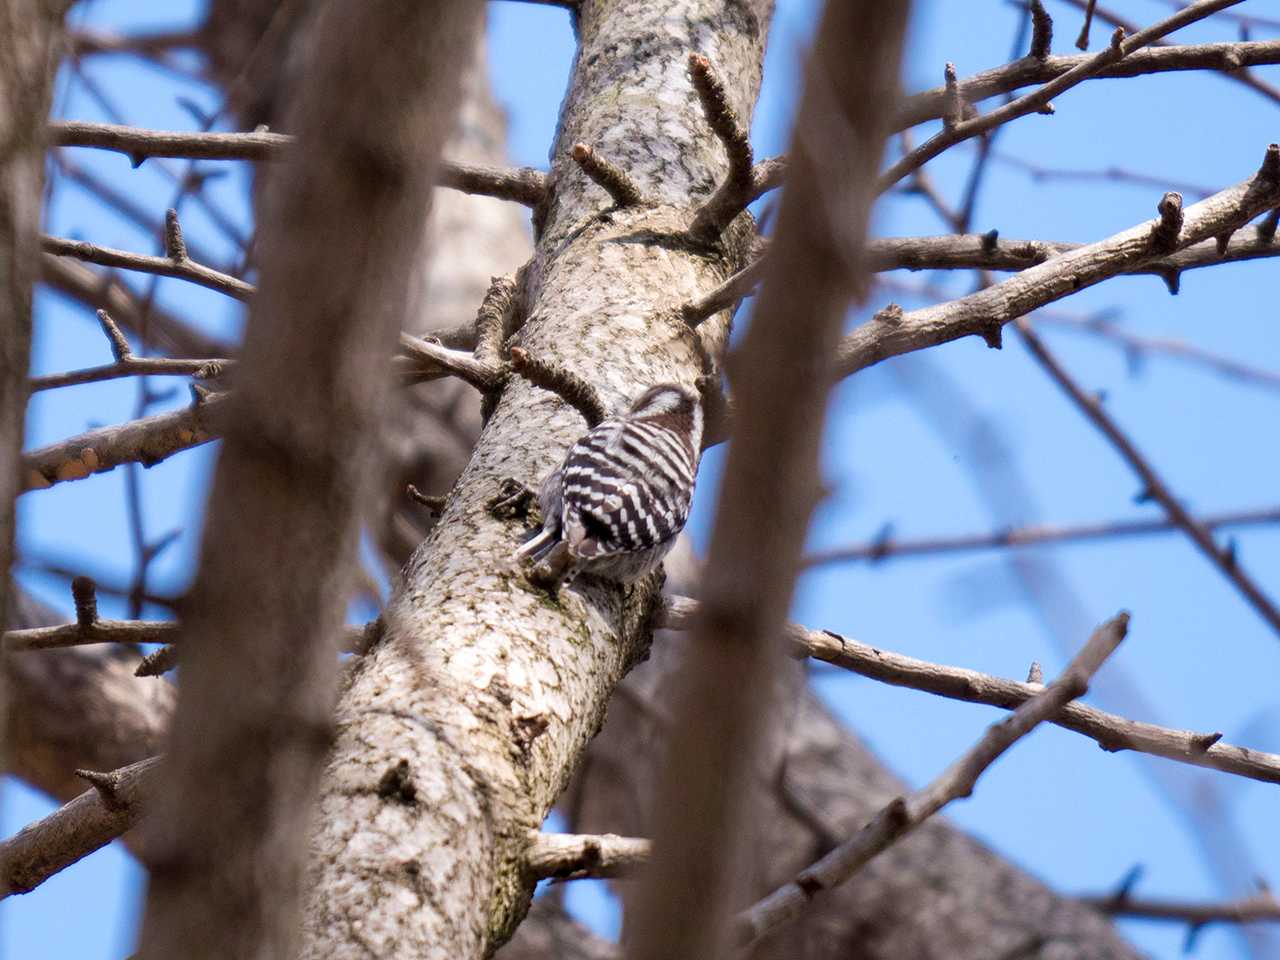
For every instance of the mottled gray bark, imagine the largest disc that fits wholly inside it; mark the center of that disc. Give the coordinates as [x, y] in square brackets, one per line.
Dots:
[460, 729]
[227, 839]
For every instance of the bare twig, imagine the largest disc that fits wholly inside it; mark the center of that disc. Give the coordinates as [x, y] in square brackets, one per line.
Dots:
[1262, 906]
[904, 814]
[612, 179]
[931, 104]
[1082, 41]
[565, 384]
[1111, 731]
[737, 189]
[522, 185]
[146, 441]
[181, 269]
[100, 631]
[1153, 486]
[887, 547]
[1119, 48]
[128, 365]
[110, 807]
[568, 856]
[986, 311]
[1230, 68]
[1114, 174]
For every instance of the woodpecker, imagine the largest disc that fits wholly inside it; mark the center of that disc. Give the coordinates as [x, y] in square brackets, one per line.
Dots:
[622, 495]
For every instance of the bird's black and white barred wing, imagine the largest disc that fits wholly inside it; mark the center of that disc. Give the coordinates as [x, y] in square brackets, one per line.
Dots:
[627, 487]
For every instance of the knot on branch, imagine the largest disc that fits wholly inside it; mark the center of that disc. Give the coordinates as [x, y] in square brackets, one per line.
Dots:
[1164, 235]
[565, 384]
[84, 594]
[1270, 169]
[175, 247]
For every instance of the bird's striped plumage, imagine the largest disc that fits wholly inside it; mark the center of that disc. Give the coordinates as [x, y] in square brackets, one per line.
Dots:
[624, 490]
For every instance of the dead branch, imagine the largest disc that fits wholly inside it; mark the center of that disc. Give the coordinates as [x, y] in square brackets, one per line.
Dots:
[984, 313]
[737, 189]
[146, 441]
[931, 104]
[1112, 732]
[887, 547]
[1154, 487]
[113, 805]
[1039, 100]
[904, 814]
[523, 185]
[565, 384]
[181, 268]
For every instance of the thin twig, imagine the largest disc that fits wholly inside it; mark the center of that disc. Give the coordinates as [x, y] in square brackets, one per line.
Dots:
[181, 269]
[904, 814]
[886, 548]
[1259, 907]
[986, 311]
[740, 285]
[1111, 731]
[1153, 486]
[522, 185]
[1230, 68]
[1119, 48]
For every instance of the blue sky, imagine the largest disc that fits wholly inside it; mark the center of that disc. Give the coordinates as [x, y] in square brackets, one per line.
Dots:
[932, 444]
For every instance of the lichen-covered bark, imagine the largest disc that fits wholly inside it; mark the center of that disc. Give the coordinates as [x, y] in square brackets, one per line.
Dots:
[459, 730]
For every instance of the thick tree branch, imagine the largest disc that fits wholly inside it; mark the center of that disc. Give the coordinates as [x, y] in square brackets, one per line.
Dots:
[480, 710]
[904, 814]
[522, 185]
[181, 267]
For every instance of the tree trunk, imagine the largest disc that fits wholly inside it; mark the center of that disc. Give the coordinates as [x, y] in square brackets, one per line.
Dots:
[28, 32]
[460, 729]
